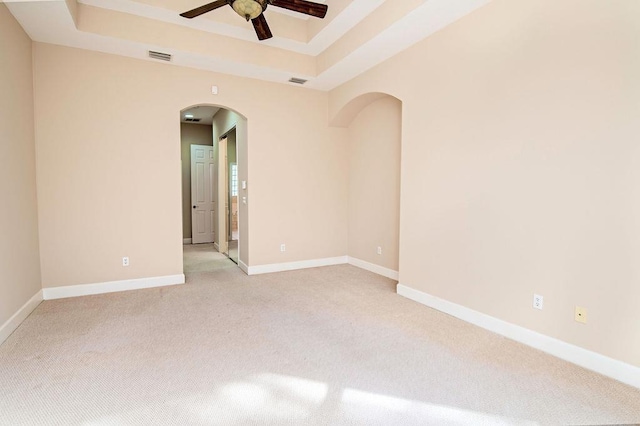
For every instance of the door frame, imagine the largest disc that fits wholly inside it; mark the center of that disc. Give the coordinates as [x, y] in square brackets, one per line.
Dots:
[223, 195]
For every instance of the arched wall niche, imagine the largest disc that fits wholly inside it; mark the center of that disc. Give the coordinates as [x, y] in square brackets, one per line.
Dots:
[352, 108]
[373, 122]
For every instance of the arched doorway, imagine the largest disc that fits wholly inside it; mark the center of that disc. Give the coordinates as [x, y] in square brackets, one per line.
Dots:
[214, 190]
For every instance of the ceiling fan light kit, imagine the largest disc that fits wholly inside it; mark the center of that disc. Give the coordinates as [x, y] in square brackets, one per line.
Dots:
[252, 10]
[249, 9]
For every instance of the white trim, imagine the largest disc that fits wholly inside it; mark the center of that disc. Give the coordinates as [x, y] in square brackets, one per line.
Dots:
[371, 267]
[291, 266]
[593, 361]
[16, 319]
[187, 241]
[51, 293]
[243, 266]
[216, 246]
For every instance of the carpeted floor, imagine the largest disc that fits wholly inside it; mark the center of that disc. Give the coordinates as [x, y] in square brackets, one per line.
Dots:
[324, 346]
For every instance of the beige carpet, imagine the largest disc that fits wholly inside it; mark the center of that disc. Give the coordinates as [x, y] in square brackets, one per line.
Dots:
[326, 346]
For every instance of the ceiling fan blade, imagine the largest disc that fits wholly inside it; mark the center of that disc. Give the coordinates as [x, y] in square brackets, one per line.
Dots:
[307, 7]
[204, 9]
[262, 28]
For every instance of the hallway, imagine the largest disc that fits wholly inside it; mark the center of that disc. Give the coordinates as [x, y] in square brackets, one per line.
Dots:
[204, 258]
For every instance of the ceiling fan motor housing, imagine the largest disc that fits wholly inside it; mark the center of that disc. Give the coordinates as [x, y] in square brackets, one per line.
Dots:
[249, 9]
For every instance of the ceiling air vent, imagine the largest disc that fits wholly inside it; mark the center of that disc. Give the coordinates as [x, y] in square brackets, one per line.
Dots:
[297, 80]
[192, 120]
[159, 55]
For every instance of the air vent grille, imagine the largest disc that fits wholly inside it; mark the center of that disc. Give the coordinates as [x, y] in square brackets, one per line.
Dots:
[297, 80]
[192, 120]
[159, 55]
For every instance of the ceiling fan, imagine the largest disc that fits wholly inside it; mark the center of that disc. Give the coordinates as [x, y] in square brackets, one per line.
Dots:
[252, 10]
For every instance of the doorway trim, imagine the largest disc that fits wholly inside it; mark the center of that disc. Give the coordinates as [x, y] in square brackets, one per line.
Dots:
[222, 196]
[224, 225]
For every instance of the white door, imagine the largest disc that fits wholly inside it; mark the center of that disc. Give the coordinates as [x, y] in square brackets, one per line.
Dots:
[202, 201]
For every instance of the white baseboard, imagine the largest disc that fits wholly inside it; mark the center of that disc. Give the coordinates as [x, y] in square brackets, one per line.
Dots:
[51, 293]
[291, 266]
[376, 269]
[243, 266]
[187, 240]
[593, 361]
[216, 246]
[16, 319]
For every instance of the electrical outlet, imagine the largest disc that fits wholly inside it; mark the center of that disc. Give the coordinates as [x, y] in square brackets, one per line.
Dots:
[581, 314]
[125, 261]
[283, 248]
[538, 301]
[379, 251]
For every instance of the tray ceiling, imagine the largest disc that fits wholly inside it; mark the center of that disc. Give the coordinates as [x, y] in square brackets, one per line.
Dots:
[355, 36]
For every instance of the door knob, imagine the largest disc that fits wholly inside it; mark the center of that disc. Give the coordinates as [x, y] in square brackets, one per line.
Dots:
[194, 207]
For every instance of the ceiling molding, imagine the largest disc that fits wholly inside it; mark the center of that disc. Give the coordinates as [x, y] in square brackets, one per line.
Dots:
[51, 22]
[351, 16]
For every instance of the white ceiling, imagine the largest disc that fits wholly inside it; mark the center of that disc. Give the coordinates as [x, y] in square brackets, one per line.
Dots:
[205, 113]
[52, 22]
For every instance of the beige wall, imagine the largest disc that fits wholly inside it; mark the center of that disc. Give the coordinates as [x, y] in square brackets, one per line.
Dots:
[190, 134]
[19, 259]
[109, 166]
[520, 165]
[374, 183]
